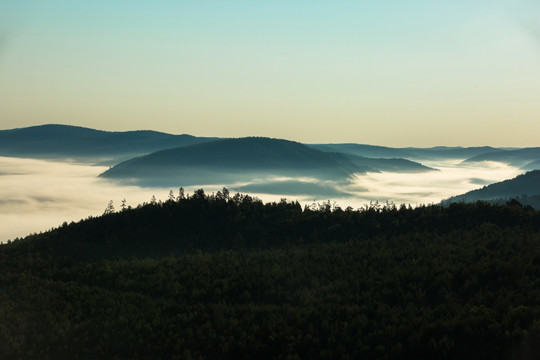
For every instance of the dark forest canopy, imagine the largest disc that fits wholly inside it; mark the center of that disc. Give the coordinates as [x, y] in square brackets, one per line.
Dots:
[211, 222]
[228, 276]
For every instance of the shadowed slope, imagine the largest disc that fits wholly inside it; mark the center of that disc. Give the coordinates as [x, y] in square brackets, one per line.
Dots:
[434, 153]
[391, 164]
[371, 151]
[231, 160]
[519, 157]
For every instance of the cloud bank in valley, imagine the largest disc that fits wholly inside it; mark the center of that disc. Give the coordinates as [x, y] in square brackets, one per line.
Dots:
[453, 178]
[36, 195]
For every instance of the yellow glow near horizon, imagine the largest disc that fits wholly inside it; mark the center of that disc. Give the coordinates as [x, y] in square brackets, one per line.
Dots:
[416, 74]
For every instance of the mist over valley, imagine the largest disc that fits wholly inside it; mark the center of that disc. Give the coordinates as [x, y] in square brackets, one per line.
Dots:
[43, 188]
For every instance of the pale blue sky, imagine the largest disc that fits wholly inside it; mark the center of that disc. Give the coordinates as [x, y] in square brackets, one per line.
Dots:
[399, 73]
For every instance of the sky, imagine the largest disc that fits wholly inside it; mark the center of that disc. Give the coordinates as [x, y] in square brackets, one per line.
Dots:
[385, 72]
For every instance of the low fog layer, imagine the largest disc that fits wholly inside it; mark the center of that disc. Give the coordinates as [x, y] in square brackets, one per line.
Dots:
[455, 177]
[37, 195]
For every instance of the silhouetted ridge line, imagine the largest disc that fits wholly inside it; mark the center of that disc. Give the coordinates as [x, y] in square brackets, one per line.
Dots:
[514, 157]
[55, 141]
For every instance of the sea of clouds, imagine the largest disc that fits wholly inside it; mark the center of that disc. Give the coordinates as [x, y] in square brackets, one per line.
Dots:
[37, 195]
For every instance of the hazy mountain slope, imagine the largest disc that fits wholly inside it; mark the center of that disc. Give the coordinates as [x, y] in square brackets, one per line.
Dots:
[64, 141]
[371, 151]
[246, 159]
[231, 160]
[534, 165]
[527, 185]
[84, 144]
[439, 152]
[390, 164]
[445, 152]
[519, 157]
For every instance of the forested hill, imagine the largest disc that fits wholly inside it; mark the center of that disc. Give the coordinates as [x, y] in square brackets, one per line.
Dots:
[232, 160]
[65, 141]
[230, 277]
[216, 222]
[525, 187]
[244, 159]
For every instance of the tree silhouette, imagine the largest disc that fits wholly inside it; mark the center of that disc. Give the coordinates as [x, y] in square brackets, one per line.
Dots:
[109, 209]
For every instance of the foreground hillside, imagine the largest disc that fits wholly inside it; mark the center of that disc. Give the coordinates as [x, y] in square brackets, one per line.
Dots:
[231, 277]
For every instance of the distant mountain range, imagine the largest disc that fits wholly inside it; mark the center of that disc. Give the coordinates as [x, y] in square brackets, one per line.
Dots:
[370, 151]
[527, 158]
[158, 159]
[83, 144]
[79, 143]
[434, 153]
[525, 188]
[151, 158]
